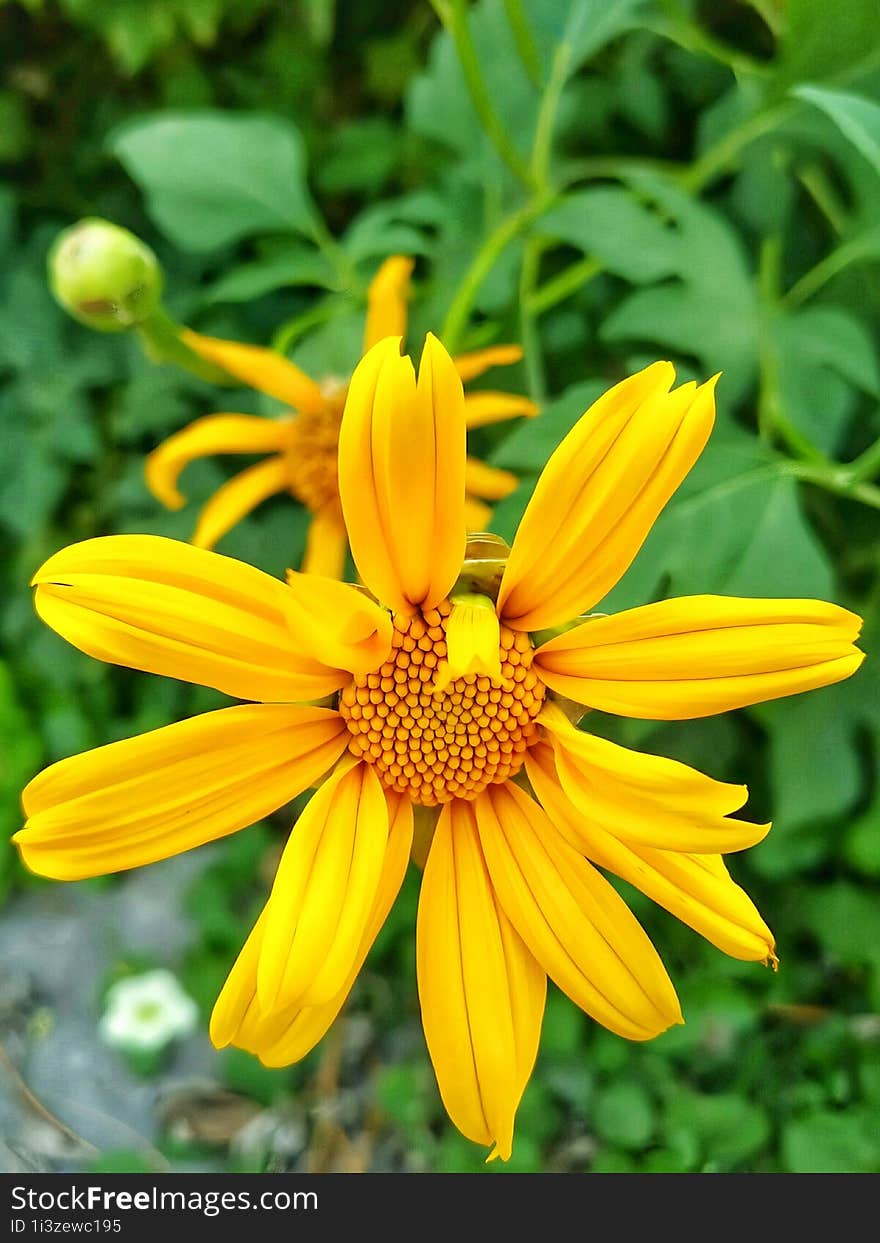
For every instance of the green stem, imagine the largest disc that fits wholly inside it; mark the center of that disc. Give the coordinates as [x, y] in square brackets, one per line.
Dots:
[568, 282]
[482, 263]
[531, 341]
[679, 29]
[836, 479]
[866, 465]
[620, 167]
[291, 330]
[817, 184]
[811, 282]
[542, 147]
[160, 337]
[722, 154]
[453, 15]
[525, 41]
[335, 256]
[769, 14]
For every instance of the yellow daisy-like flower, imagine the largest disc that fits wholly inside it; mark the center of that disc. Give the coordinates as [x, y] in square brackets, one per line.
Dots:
[303, 447]
[437, 691]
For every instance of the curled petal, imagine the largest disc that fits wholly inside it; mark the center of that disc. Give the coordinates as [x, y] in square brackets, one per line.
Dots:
[238, 497]
[386, 301]
[282, 1036]
[401, 475]
[477, 362]
[646, 799]
[484, 408]
[326, 546]
[324, 892]
[481, 991]
[477, 514]
[165, 607]
[571, 919]
[262, 369]
[164, 792]
[488, 481]
[699, 655]
[472, 642]
[696, 888]
[215, 433]
[338, 623]
[600, 494]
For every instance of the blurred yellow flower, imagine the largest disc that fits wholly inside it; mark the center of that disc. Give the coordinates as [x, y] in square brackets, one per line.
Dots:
[440, 693]
[302, 447]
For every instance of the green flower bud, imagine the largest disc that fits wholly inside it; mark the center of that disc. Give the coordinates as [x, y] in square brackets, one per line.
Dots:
[104, 276]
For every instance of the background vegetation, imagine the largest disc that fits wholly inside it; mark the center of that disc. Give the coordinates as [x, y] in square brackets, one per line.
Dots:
[611, 182]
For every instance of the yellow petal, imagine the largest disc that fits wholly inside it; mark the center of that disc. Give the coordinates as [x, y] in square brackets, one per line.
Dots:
[484, 408]
[473, 642]
[477, 515]
[238, 497]
[326, 546]
[146, 798]
[386, 301]
[215, 433]
[599, 496]
[699, 655]
[324, 892]
[338, 624]
[646, 799]
[487, 481]
[696, 888]
[284, 1036]
[164, 607]
[262, 369]
[481, 991]
[401, 475]
[571, 919]
[477, 362]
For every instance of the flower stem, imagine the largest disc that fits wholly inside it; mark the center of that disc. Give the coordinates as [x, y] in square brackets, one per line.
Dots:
[453, 15]
[525, 41]
[560, 287]
[160, 337]
[862, 247]
[542, 146]
[836, 479]
[722, 154]
[531, 341]
[482, 263]
[867, 465]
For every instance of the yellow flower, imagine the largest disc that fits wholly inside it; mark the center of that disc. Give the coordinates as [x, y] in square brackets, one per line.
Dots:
[436, 693]
[303, 447]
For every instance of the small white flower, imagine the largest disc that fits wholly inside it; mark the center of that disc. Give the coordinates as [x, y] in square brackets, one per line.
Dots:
[144, 1013]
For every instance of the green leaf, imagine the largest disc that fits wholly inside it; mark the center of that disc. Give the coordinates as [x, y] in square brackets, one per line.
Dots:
[584, 26]
[816, 770]
[708, 309]
[832, 1143]
[528, 447]
[728, 1129]
[623, 1115]
[611, 225]
[280, 269]
[813, 46]
[735, 527]
[212, 177]
[824, 354]
[857, 118]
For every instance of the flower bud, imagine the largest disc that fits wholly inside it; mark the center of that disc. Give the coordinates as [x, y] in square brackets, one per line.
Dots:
[104, 276]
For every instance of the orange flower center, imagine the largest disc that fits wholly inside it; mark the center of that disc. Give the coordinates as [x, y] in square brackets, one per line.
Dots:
[312, 458]
[437, 747]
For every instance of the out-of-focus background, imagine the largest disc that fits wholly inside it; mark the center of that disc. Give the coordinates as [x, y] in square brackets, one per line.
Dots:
[699, 181]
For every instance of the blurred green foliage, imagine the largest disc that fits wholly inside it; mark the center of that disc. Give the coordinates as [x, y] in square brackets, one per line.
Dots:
[610, 181]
